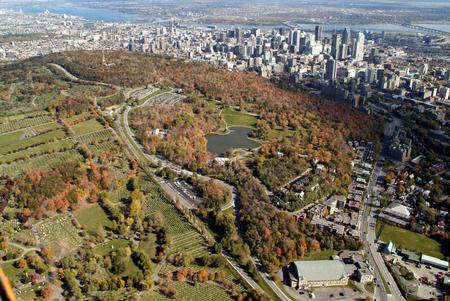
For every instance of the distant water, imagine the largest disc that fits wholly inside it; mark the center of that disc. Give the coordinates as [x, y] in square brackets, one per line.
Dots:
[326, 27]
[94, 14]
[443, 27]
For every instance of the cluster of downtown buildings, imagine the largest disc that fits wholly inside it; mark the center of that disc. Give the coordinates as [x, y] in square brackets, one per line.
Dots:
[343, 64]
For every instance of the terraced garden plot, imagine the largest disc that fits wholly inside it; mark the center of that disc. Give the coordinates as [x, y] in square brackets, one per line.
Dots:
[228, 274]
[71, 119]
[201, 292]
[87, 126]
[39, 162]
[154, 296]
[185, 238]
[59, 229]
[24, 123]
[189, 243]
[95, 137]
[22, 144]
[100, 148]
[55, 146]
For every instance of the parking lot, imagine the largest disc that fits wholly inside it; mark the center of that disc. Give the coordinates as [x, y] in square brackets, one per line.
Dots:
[186, 191]
[139, 94]
[165, 100]
[429, 287]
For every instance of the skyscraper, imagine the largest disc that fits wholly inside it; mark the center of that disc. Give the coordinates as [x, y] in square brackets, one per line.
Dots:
[335, 45]
[346, 38]
[295, 38]
[238, 34]
[318, 33]
[331, 69]
[343, 52]
[358, 49]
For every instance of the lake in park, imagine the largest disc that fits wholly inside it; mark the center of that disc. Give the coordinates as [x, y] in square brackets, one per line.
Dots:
[237, 138]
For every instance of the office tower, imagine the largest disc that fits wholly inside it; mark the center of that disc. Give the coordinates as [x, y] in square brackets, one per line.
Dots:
[256, 31]
[238, 34]
[343, 52]
[358, 52]
[346, 36]
[294, 38]
[423, 69]
[335, 45]
[318, 33]
[331, 69]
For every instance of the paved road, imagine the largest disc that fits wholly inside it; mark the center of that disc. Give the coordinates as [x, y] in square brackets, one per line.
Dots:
[371, 247]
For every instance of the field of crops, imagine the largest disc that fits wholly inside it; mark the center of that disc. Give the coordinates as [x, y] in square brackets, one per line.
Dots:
[39, 162]
[201, 291]
[24, 123]
[95, 137]
[49, 147]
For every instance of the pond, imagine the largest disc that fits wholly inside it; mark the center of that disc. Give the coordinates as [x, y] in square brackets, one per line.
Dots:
[237, 138]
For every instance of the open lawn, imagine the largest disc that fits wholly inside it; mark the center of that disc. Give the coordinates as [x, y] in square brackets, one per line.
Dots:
[11, 272]
[235, 118]
[320, 255]
[87, 126]
[110, 246]
[280, 133]
[93, 218]
[148, 245]
[406, 239]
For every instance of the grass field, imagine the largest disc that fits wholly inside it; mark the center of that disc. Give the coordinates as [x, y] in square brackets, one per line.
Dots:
[280, 133]
[148, 245]
[93, 218]
[320, 255]
[412, 241]
[235, 118]
[110, 246]
[11, 271]
[87, 126]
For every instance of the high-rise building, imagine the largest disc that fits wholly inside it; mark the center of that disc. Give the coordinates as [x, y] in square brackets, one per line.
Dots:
[358, 49]
[423, 69]
[331, 69]
[343, 51]
[295, 37]
[335, 45]
[346, 37]
[318, 33]
[238, 34]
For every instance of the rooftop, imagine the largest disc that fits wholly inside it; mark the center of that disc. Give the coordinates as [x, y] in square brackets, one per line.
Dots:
[320, 270]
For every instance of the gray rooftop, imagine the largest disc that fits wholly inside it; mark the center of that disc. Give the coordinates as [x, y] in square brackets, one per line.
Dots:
[320, 270]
